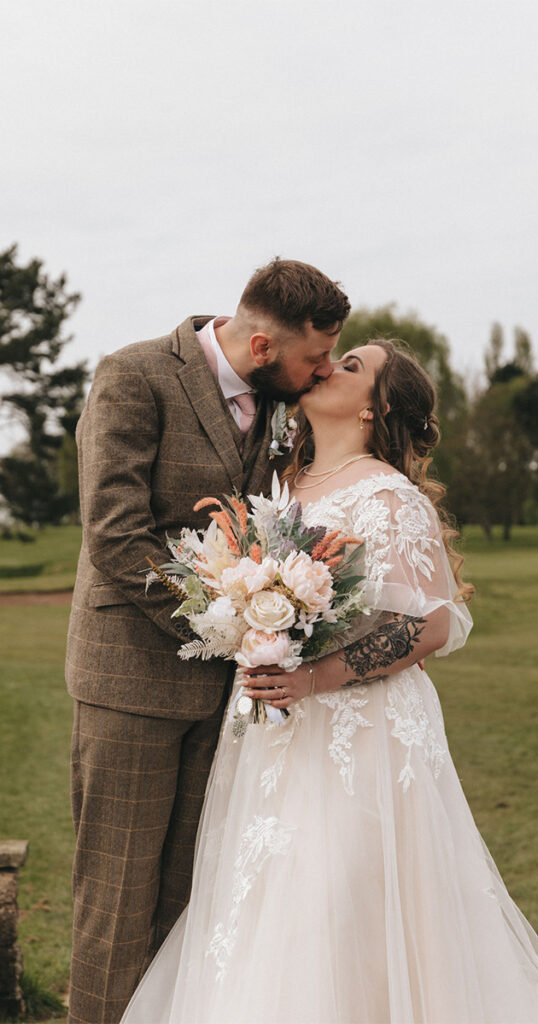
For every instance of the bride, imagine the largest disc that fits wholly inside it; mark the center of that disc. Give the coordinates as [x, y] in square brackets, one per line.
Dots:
[339, 876]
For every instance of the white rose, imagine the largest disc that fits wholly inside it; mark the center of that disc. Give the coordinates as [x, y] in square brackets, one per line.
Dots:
[310, 581]
[221, 617]
[219, 611]
[269, 610]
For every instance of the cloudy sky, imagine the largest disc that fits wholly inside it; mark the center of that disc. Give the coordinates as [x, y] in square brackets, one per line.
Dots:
[159, 150]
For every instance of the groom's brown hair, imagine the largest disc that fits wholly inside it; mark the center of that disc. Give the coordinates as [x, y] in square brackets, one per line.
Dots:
[294, 293]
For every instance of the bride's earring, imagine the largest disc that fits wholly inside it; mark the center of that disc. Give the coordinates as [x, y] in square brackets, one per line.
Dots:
[361, 422]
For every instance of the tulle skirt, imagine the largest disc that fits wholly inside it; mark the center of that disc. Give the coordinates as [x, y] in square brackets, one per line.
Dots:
[340, 879]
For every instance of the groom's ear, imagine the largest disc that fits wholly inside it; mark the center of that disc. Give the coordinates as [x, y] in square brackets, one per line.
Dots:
[261, 346]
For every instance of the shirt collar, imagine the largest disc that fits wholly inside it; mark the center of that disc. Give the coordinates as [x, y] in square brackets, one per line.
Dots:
[229, 381]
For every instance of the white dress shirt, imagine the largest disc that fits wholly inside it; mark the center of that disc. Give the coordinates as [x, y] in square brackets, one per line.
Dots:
[229, 381]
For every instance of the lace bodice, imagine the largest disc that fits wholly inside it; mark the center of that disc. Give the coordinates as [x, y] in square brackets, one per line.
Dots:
[405, 562]
[362, 508]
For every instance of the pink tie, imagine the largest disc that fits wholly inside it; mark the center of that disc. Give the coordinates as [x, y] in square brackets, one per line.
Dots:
[247, 406]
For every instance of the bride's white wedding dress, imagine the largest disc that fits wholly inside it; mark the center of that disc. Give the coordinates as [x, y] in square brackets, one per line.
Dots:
[339, 875]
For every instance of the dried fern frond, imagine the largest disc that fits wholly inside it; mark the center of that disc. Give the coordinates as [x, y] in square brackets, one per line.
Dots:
[206, 649]
[195, 649]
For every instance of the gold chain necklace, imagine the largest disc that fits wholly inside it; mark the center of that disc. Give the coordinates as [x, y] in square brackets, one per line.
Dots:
[326, 476]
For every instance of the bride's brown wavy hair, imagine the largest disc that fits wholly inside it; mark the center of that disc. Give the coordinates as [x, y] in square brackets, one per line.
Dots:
[405, 436]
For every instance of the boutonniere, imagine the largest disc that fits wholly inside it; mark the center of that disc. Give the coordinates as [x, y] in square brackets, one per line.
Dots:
[283, 429]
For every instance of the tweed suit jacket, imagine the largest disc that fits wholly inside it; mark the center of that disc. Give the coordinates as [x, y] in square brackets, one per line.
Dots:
[155, 436]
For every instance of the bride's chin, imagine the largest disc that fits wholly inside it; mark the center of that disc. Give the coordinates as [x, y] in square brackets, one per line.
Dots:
[316, 404]
[309, 397]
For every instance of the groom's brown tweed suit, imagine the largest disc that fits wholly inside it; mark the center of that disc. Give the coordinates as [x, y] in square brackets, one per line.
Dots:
[156, 435]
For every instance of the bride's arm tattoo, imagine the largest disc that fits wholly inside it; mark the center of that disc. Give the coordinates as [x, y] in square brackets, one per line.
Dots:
[381, 648]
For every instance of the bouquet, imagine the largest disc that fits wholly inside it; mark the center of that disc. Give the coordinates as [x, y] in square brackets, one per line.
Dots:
[260, 587]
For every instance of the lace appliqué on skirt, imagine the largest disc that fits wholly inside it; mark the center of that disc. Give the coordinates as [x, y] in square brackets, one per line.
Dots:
[345, 722]
[283, 737]
[412, 726]
[260, 840]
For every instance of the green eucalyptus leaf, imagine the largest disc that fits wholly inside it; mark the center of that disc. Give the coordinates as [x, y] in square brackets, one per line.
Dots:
[177, 568]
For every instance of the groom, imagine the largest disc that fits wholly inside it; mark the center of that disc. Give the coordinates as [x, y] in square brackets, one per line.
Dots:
[167, 422]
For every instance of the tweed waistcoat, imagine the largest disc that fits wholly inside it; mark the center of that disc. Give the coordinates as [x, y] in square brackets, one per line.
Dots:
[156, 435]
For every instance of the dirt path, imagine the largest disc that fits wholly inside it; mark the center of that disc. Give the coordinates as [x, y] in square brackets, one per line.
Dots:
[35, 597]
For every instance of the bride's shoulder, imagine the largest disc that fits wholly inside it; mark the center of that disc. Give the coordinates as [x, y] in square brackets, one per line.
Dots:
[379, 483]
[380, 477]
[355, 491]
[381, 501]
[381, 486]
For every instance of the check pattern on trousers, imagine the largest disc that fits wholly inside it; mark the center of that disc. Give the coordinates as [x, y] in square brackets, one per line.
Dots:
[135, 845]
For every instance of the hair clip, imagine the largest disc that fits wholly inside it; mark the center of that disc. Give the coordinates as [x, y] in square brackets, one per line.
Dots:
[425, 423]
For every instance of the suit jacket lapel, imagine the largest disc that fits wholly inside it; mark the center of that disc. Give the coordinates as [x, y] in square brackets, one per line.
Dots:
[203, 393]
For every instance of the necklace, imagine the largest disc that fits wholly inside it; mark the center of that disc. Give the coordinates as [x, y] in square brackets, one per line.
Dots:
[326, 475]
[308, 472]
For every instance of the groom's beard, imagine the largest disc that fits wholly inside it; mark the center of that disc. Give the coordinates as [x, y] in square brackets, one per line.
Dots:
[273, 381]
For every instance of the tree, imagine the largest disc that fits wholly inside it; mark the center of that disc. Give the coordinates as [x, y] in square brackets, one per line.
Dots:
[526, 409]
[495, 472]
[433, 352]
[523, 350]
[494, 477]
[492, 355]
[45, 399]
[522, 362]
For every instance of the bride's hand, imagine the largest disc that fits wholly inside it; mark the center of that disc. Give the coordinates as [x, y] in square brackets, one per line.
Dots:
[275, 687]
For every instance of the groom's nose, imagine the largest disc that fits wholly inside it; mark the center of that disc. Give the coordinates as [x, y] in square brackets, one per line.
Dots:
[325, 369]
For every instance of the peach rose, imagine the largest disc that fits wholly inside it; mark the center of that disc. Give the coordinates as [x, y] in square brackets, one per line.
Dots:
[262, 648]
[310, 581]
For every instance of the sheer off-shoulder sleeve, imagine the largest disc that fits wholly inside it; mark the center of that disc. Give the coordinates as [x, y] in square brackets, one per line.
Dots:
[405, 560]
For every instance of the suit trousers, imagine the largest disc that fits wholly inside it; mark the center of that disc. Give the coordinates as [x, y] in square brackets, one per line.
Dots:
[138, 787]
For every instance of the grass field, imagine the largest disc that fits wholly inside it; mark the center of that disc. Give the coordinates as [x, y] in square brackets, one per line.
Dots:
[48, 562]
[34, 748]
[488, 692]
